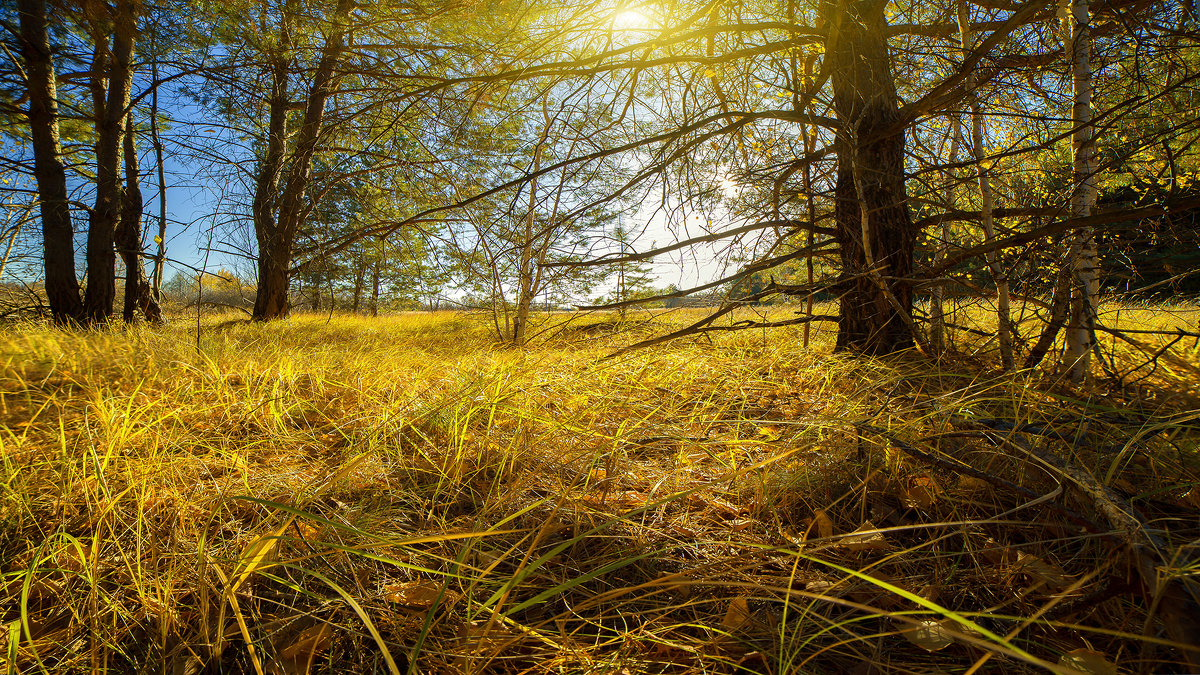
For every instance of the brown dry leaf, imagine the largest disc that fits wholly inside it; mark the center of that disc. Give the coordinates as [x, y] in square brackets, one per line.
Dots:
[1088, 661]
[739, 525]
[895, 456]
[596, 475]
[867, 541]
[1039, 570]
[824, 588]
[929, 635]
[307, 532]
[419, 594]
[931, 592]
[922, 493]
[682, 531]
[823, 524]
[737, 614]
[478, 638]
[996, 553]
[625, 500]
[722, 507]
[867, 592]
[297, 658]
[769, 430]
[972, 484]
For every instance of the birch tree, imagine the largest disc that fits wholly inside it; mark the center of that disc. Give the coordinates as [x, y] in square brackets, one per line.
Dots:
[1085, 288]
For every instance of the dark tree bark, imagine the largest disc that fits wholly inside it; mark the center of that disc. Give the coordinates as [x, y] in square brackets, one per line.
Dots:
[110, 129]
[58, 236]
[138, 294]
[874, 231]
[272, 273]
[276, 230]
[360, 273]
[160, 255]
[375, 287]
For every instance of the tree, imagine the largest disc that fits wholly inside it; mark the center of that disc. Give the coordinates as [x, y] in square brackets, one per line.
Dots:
[632, 278]
[1081, 329]
[112, 77]
[284, 173]
[139, 295]
[58, 235]
[875, 235]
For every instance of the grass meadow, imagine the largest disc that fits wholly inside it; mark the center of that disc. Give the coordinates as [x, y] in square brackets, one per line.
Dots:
[334, 494]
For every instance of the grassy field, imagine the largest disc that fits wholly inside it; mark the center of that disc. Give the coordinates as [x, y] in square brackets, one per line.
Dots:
[404, 494]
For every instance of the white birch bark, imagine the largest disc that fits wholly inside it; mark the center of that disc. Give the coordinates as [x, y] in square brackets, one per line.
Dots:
[1085, 287]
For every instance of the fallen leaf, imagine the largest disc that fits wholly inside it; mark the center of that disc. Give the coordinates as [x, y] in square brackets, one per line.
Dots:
[824, 587]
[419, 594]
[895, 456]
[1039, 570]
[869, 593]
[297, 658]
[739, 525]
[823, 524]
[997, 553]
[929, 635]
[307, 532]
[972, 484]
[477, 637]
[866, 541]
[627, 499]
[682, 531]
[736, 615]
[922, 493]
[721, 506]
[1087, 661]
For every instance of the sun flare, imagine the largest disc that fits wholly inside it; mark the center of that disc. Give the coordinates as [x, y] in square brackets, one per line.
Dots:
[631, 19]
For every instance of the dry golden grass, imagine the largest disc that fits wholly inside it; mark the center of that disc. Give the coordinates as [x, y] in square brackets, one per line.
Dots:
[404, 494]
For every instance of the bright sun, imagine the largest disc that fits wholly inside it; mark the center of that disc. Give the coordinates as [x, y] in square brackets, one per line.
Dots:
[631, 19]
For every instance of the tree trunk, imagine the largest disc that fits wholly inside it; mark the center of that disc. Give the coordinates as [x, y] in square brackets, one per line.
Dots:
[360, 272]
[526, 288]
[138, 294]
[110, 128]
[160, 253]
[1003, 321]
[274, 253]
[276, 242]
[58, 236]
[1081, 325]
[874, 231]
[937, 295]
[375, 288]
[316, 288]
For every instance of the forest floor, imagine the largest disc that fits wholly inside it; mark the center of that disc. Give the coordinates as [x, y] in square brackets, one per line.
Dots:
[405, 494]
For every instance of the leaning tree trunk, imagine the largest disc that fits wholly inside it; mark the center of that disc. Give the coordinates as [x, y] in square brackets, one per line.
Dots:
[110, 128]
[875, 234]
[1081, 336]
[58, 236]
[276, 246]
[138, 294]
